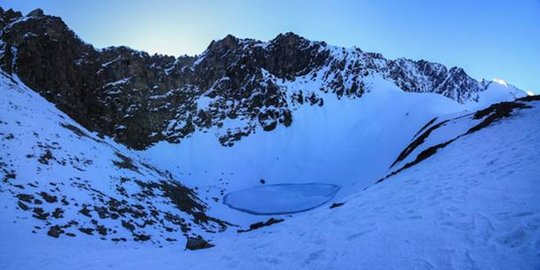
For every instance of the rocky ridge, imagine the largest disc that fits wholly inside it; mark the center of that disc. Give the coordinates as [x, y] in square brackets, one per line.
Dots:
[239, 86]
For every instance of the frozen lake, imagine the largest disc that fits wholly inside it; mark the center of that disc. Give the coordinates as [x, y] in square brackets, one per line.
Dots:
[280, 198]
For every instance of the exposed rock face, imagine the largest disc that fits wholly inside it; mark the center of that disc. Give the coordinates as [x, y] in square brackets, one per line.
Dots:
[140, 99]
[423, 76]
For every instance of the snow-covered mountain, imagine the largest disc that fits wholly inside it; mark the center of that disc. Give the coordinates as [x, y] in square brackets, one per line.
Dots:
[471, 201]
[401, 163]
[140, 99]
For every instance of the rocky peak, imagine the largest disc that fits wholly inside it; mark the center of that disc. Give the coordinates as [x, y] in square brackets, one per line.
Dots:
[427, 77]
[11, 15]
[8, 16]
[457, 72]
[36, 13]
[230, 42]
[288, 39]
[51, 59]
[290, 55]
[459, 86]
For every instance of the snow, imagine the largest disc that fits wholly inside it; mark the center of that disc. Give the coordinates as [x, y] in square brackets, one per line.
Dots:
[346, 142]
[203, 102]
[111, 62]
[473, 205]
[279, 199]
[46, 151]
[118, 82]
[500, 81]
[199, 60]
[496, 91]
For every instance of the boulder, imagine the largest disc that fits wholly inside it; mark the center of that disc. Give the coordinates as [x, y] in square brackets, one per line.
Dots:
[194, 243]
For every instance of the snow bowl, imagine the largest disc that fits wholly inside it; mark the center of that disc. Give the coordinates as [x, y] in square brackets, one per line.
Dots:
[280, 199]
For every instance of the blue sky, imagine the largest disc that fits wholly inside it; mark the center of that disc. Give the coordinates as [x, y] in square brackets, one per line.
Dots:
[489, 39]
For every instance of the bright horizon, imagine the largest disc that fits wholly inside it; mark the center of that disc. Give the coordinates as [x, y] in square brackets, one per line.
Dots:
[489, 39]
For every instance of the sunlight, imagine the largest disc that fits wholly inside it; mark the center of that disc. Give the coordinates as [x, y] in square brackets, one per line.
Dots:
[500, 81]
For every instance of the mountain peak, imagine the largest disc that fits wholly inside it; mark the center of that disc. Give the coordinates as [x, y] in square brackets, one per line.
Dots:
[289, 39]
[8, 16]
[227, 43]
[289, 36]
[38, 12]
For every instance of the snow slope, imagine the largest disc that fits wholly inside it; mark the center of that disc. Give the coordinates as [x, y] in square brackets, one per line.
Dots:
[58, 179]
[497, 90]
[474, 204]
[346, 142]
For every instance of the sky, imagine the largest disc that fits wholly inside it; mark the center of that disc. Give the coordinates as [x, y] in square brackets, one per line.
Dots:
[489, 39]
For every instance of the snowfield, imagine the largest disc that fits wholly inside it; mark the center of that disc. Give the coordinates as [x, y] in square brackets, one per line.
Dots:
[472, 204]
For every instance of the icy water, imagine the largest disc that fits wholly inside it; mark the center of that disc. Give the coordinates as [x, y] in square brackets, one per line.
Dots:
[280, 199]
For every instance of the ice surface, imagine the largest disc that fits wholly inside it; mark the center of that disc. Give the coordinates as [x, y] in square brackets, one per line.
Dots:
[281, 198]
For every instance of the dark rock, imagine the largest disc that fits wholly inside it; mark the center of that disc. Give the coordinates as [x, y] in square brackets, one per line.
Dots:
[125, 163]
[85, 211]
[46, 157]
[128, 225]
[261, 224]
[23, 206]
[86, 230]
[194, 243]
[36, 13]
[141, 237]
[25, 197]
[47, 197]
[101, 230]
[530, 98]
[39, 213]
[55, 231]
[58, 213]
[418, 141]
[334, 205]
